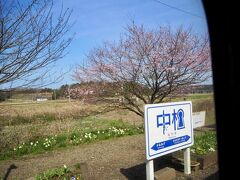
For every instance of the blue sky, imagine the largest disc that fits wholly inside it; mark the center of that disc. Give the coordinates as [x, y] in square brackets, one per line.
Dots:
[104, 20]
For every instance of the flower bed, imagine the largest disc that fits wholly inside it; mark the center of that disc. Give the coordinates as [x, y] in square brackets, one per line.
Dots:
[204, 144]
[204, 149]
[61, 173]
[63, 140]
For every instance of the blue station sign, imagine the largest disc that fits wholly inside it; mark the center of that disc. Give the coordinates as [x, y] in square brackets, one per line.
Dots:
[168, 128]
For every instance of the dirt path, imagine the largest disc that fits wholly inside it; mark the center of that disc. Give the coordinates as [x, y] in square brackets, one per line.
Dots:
[103, 158]
[121, 158]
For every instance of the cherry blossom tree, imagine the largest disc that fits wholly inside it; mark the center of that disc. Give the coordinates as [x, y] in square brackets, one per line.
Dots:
[147, 66]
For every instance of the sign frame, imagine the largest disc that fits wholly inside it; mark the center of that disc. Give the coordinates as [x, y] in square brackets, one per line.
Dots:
[180, 142]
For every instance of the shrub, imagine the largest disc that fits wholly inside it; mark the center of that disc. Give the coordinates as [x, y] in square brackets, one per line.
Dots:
[204, 143]
[51, 173]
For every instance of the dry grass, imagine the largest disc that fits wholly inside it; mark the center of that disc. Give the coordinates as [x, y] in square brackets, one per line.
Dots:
[35, 113]
[28, 121]
[208, 106]
[23, 122]
[123, 115]
[52, 107]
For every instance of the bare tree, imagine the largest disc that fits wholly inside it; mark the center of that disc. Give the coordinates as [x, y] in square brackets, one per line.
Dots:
[149, 65]
[31, 38]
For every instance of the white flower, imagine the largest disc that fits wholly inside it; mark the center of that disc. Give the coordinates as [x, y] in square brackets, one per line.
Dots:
[211, 149]
[65, 167]
[31, 143]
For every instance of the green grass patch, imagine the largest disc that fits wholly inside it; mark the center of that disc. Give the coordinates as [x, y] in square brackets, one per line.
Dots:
[48, 117]
[95, 123]
[18, 120]
[75, 138]
[61, 140]
[199, 96]
[204, 143]
[63, 173]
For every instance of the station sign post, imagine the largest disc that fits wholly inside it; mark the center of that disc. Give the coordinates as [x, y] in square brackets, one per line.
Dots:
[168, 128]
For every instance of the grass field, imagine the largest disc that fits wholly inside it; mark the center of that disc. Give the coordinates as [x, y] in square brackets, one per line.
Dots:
[29, 122]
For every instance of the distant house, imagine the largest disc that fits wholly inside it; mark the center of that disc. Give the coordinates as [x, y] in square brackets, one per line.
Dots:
[41, 98]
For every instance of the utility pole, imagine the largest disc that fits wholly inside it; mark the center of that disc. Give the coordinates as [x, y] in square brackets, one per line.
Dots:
[69, 98]
[122, 94]
[55, 96]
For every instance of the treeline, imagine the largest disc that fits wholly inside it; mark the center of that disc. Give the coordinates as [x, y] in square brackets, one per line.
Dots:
[77, 91]
[28, 93]
[22, 92]
[4, 95]
[203, 89]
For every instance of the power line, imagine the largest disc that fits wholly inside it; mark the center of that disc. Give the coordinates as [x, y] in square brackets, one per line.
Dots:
[179, 9]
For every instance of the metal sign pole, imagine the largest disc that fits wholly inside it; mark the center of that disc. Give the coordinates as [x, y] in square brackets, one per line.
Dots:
[149, 170]
[187, 161]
